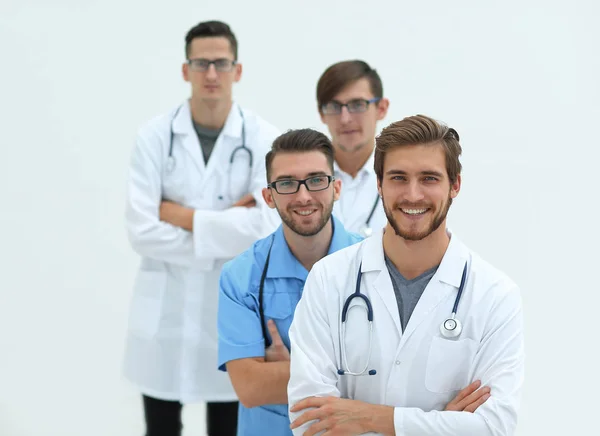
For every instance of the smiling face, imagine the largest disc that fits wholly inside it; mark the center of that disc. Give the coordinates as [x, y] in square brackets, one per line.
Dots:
[416, 190]
[304, 212]
[351, 132]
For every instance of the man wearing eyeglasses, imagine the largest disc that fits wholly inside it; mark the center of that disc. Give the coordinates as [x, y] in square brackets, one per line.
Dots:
[194, 202]
[351, 102]
[260, 288]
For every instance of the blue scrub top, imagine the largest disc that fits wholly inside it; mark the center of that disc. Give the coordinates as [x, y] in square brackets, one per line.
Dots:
[240, 332]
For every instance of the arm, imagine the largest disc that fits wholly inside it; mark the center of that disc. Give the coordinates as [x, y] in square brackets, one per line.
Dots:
[263, 380]
[313, 371]
[499, 364]
[226, 233]
[259, 377]
[149, 236]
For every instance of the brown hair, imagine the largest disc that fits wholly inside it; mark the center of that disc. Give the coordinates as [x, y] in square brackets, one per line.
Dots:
[299, 141]
[211, 29]
[419, 130]
[339, 75]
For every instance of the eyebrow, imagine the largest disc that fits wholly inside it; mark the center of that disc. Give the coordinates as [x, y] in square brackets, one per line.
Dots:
[423, 173]
[309, 175]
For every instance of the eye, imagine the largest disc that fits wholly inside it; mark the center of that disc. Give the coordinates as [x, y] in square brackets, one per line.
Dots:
[431, 179]
[399, 178]
[316, 180]
[284, 183]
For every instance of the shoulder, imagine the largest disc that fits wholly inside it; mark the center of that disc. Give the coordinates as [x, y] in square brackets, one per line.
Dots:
[247, 267]
[259, 127]
[493, 284]
[155, 132]
[336, 263]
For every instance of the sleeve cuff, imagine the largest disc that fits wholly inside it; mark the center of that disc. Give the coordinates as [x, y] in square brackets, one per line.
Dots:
[228, 352]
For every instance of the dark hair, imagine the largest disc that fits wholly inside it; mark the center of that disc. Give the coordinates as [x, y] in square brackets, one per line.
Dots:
[299, 141]
[211, 29]
[419, 130]
[339, 75]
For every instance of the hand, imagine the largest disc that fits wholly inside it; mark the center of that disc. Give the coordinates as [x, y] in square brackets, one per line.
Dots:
[338, 416]
[470, 398]
[246, 201]
[277, 351]
[176, 214]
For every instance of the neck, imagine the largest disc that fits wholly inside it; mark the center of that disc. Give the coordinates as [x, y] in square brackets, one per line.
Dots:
[413, 258]
[211, 114]
[309, 249]
[351, 162]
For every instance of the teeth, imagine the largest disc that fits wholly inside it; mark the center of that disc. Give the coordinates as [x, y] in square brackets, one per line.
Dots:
[414, 211]
[304, 212]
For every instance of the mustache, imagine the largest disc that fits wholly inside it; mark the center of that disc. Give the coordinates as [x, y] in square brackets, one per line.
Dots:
[309, 204]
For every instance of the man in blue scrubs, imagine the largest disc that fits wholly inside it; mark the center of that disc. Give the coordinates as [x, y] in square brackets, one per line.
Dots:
[254, 343]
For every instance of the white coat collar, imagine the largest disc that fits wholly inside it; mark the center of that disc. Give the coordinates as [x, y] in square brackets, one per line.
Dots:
[446, 279]
[449, 270]
[182, 125]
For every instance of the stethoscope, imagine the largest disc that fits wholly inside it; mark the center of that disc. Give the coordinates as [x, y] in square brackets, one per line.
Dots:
[366, 229]
[450, 328]
[171, 163]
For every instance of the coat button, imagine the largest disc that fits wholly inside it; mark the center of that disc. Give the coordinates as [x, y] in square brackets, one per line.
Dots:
[397, 362]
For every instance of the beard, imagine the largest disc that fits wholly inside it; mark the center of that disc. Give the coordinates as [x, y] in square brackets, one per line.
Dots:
[413, 235]
[294, 221]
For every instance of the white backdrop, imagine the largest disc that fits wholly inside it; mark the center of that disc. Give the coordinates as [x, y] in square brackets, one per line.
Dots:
[518, 79]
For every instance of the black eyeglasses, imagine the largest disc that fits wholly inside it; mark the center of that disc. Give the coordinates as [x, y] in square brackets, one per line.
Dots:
[291, 186]
[221, 65]
[358, 105]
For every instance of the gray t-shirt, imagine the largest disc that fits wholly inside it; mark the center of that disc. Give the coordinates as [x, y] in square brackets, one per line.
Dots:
[207, 138]
[408, 292]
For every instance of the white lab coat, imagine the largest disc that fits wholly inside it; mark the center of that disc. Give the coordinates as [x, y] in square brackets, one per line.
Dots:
[171, 349]
[358, 198]
[418, 370]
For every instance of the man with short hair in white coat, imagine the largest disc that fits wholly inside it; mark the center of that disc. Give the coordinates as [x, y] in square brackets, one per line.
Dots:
[193, 202]
[351, 102]
[442, 317]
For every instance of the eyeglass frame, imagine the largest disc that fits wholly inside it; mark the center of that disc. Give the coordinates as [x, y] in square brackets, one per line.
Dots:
[329, 178]
[342, 105]
[232, 63]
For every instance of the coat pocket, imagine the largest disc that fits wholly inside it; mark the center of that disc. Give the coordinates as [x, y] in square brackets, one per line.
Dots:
[146, 304]
[448, 364]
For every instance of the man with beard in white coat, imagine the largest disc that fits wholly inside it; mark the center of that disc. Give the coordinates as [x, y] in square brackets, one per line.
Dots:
[389, 330]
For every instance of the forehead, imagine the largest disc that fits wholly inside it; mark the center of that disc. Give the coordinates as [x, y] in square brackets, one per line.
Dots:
[414, 159]
[299, 164]
[360, 88]
[210, 48]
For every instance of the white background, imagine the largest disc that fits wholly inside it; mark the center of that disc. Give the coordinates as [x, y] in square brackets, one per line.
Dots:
[519, 80]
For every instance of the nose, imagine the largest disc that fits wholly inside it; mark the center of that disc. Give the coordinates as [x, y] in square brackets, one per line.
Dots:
[211, 73]
[303, 194]
[345, 115]
[414, 192]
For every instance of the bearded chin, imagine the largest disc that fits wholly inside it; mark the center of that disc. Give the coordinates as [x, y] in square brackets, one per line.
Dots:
[437, 222]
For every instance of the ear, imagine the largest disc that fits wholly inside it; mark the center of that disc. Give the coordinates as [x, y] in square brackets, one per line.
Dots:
[337, 189]
[185, 72]
[267, 194]
[455, 188]
[382, 108]
[238, 73]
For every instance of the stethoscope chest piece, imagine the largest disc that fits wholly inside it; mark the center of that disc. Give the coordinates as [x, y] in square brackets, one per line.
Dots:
[451, 328]
[366, 231]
